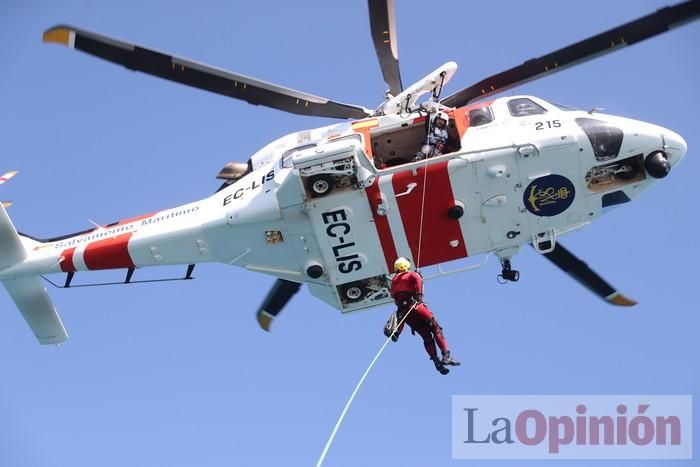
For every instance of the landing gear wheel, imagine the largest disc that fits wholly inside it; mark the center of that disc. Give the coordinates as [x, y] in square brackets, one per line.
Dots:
[320, 185]
[353, 291]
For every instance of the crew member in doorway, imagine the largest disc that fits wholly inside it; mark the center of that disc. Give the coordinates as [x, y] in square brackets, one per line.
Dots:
[407, 292]
[437, 137]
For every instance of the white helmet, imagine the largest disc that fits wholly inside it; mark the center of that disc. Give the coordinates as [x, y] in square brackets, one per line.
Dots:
[441, 115]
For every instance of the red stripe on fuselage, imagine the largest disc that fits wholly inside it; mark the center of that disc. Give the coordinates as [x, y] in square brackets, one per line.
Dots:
[67, 261]
[438, 229]
[110, 253]
[381, 223]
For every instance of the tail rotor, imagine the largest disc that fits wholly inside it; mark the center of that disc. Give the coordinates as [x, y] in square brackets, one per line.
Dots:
[3, 179]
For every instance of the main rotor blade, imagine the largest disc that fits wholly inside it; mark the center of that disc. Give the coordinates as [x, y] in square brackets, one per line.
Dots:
[201, 76]
[382, 22]
[609, 41]
[276, 299]
[587, 277]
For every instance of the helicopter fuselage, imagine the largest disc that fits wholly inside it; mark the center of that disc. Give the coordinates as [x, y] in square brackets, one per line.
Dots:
[335, 206]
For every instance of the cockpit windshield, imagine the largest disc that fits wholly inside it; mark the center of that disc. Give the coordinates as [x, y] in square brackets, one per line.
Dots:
[605, 138]
[523, 107]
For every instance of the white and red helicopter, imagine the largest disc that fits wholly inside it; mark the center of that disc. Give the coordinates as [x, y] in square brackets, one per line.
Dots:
[333, 207]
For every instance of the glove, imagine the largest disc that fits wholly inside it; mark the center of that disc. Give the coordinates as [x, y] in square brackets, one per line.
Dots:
[394, 337]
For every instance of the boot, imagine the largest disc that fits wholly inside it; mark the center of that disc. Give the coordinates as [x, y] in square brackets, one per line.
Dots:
[448, 360]
[440, 367]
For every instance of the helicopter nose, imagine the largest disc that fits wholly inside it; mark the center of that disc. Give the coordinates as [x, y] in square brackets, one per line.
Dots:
[674, 146]
[667, 148]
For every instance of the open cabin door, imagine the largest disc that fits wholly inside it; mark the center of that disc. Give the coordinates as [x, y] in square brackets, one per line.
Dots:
[333, 177]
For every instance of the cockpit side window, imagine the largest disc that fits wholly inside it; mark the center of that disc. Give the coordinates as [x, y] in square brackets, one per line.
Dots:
[287, 156]
[522, 107]
[480, 116]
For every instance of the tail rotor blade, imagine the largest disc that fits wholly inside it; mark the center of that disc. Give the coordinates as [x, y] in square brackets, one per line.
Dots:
[3, 178]
[276, 299]
[583, 274]
[7, 176]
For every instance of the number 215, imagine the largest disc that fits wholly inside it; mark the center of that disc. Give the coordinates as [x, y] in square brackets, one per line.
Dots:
[547, 124]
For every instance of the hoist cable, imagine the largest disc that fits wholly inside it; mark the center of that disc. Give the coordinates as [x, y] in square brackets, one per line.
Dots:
[331, 438]
[322, 458]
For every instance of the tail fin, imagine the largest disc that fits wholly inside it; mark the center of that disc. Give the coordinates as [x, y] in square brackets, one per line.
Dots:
[11, 249]
[28, 292]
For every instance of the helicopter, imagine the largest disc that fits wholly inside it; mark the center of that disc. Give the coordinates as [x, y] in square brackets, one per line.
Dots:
[334, 207]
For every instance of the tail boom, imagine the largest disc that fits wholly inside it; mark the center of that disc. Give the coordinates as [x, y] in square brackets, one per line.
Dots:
[170, 237]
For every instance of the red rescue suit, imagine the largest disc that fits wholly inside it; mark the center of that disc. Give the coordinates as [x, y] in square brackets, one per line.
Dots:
[407, 290]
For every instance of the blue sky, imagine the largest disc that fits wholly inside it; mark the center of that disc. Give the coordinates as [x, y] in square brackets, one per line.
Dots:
[179, 374]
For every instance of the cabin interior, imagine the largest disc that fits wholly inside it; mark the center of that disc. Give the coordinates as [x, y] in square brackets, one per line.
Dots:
[398, 145]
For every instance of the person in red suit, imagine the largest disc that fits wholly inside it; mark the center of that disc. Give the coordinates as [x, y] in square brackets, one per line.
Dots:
[407, 292]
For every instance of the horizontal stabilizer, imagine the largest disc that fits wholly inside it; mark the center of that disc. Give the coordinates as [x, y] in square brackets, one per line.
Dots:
[30, 296]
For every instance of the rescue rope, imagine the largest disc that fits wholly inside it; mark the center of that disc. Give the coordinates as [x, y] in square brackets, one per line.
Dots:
[422, 202]
[357, 388]
[331, 438]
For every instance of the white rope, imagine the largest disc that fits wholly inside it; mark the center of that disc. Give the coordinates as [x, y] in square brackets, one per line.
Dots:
[422, 203]
[331, 438]
[357, 388]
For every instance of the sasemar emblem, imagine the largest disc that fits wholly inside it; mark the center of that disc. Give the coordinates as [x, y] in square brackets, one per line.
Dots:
[548, 196]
